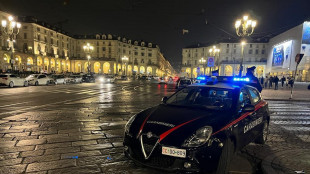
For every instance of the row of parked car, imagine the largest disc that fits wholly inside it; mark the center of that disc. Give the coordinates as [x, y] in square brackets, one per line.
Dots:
[12, 80]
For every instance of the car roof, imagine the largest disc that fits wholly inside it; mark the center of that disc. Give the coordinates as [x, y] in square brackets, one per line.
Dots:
[218, 85]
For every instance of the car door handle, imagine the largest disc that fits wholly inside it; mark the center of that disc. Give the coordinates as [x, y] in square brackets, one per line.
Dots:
[254, 114]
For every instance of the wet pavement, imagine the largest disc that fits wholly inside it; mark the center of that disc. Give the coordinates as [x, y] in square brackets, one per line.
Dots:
[79, 128]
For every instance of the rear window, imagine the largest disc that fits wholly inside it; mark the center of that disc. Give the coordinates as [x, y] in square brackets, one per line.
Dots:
[187, 82]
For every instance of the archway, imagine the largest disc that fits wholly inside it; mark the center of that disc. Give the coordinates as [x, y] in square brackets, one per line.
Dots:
[119, 69]
[260, 71]
[53, 63]
[195, 72]
[86, 67]
[97, 68]
[6, 58]
[228, 70]
[142, 70]
[129, 70]
[58, 66]
[68, 66]
[46, 64]
[63, 65]
[29, 64]
[188, 72]
[106, 68]
[149, 70]
[78, 67]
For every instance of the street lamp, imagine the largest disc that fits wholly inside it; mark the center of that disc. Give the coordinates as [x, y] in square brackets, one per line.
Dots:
[245, 27]
[215, 52]
[203, 62]
[11, 29]
[125, 59]
[242, 55]
[88, 49]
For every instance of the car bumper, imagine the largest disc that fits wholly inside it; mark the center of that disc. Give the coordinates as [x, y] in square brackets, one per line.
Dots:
[204, 158]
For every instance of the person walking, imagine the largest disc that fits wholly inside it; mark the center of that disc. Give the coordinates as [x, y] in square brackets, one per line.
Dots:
[270, 81]
[276, 81]
[283, 79]
[266, 82]
[262, 81]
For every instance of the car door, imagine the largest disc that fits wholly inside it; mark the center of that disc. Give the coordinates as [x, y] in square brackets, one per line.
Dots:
[245, 119]
[42, 79]
[259, 113]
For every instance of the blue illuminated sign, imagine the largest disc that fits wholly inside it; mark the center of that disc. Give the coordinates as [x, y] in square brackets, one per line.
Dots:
[236, 79]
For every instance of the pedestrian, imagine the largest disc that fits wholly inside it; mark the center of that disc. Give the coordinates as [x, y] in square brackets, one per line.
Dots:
[266, 82]
[283, 79]
[262, 81]
[270, 81]
[253, 80]
[276, 81]
[291, 82]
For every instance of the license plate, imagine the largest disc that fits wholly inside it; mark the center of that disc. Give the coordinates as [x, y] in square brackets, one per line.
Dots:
[174, 152]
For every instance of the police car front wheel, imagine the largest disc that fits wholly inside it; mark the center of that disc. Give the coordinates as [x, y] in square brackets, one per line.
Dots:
[262, 138]
[226, 157]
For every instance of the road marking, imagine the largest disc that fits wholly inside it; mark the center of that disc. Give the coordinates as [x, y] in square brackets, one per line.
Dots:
[3, 106]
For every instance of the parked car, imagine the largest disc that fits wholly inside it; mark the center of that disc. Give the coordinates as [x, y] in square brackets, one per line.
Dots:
[39, 79]
[162, 80]
[88, 78]
[12, 80]
[59, 79]
[75, 79]
[107, 79]
[183, 83]
[198, 129]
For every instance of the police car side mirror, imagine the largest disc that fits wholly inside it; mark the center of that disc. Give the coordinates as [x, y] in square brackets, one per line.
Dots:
[249, 108]
[164, 99]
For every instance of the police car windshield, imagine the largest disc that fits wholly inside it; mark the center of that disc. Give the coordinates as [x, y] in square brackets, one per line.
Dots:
[206, 97]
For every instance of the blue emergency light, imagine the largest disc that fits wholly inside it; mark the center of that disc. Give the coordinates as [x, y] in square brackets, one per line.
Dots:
[201, 78]
[238, 79]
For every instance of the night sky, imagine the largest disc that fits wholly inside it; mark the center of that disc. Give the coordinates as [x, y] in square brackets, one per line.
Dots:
[162, 21]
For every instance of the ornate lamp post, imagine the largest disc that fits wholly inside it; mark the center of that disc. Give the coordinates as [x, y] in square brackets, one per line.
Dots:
[242, 55]
[244, 27]
[125, 59]
[88, 49]
[203, 62]
[11, 29]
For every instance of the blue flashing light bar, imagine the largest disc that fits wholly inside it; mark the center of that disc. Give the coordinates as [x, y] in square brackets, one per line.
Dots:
[201, 78]
[237, 79]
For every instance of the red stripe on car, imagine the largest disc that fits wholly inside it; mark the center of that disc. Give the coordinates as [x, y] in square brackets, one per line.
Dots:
[163, 135]
[141, 128]
[258, 106]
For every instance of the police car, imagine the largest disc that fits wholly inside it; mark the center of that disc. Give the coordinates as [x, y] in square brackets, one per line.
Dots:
[198, 128]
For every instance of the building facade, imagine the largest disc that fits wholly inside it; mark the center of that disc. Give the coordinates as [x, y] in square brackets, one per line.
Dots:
[283, 50]
[227, 59]
[44, 48]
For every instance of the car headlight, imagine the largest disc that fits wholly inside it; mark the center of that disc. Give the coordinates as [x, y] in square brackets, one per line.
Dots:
[128, 124]
[201, 136]
[101, 79]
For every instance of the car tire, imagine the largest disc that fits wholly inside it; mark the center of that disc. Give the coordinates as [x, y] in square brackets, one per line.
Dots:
[226, 157]
[47, 82]
[36, 83]
[262, 138]
[25, 84]
[11, 84]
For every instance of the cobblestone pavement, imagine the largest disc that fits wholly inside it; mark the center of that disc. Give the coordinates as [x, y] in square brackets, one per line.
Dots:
[79, 129]
[288, 147]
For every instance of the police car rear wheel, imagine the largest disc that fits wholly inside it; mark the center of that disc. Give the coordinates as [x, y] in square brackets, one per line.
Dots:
[261, 139]
[226, 156]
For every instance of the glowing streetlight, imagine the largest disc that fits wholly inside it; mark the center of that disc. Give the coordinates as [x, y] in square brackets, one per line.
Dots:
[125, 59]
[11, 29]
[88, 49]
[245, 27]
